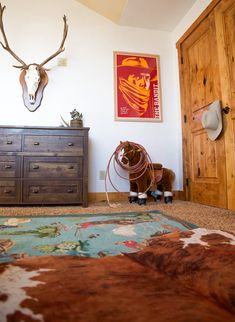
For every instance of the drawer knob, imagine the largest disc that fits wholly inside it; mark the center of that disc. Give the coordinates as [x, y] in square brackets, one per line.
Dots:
[70, 144]
[71, 167]
[9, 142]
[70, 190]
[7, 166]
[35, 166]
[7, 191]
[35, 190]
[36, 143]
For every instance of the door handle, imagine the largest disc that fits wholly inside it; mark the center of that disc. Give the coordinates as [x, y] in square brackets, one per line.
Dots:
[226, 109]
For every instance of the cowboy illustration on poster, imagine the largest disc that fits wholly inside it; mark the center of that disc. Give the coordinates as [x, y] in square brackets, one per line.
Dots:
[137, 87]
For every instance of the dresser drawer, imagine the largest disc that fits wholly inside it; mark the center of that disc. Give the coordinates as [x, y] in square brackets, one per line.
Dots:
[52, 192]
[53, 143]
[9, 192]
[10, 143]
[53, 167]
[9, 166]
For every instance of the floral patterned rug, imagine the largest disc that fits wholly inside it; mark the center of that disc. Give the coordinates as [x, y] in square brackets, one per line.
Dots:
[97, 235]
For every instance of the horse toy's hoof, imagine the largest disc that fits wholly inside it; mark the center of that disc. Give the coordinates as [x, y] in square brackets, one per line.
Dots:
[142, 201]
[168, 199]
[133, 199]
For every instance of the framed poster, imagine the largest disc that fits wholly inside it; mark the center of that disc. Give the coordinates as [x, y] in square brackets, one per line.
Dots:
[137, 87]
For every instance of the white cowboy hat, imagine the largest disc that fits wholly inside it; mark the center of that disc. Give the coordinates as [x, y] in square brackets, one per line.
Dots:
[212, 120]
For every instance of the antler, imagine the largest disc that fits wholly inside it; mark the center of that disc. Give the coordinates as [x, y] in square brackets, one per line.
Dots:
[6, 45]
[61, 48]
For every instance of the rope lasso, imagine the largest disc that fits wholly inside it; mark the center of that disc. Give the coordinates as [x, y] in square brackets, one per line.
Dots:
[139, 168]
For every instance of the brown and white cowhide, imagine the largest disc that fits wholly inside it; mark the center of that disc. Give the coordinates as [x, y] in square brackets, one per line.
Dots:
[182, 277]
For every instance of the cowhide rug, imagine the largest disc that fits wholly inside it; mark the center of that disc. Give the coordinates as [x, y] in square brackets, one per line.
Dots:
[179, 277]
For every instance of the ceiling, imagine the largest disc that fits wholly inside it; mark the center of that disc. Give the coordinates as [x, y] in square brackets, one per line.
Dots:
[161, 15]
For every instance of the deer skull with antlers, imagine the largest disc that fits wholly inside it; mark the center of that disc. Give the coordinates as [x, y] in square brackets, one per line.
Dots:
[33, 77]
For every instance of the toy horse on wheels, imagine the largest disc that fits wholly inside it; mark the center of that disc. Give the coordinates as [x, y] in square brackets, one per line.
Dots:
[146, 178]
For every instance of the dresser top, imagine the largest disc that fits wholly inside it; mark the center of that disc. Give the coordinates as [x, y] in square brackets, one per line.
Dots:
[43, 127]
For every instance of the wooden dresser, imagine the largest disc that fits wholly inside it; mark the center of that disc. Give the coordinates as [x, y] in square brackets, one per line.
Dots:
[43, 165]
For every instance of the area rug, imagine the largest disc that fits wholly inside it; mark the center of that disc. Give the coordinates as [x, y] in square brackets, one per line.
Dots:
[83, 235]
[184, 276]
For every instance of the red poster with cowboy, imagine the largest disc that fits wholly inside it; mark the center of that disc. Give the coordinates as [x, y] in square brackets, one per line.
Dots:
[137, 87]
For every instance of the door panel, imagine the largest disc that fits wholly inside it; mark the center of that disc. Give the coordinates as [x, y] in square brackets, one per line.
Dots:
[206, 179]
[200, 86]
[202, 89]
[204, 157]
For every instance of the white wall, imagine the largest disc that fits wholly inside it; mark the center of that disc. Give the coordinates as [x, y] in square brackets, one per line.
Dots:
[34, 30]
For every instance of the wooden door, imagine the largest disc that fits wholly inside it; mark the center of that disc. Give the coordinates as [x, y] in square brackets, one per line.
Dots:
[204, 160]
[225, 30]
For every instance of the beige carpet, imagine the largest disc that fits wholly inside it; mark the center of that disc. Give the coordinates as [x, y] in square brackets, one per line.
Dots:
[203, 216]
